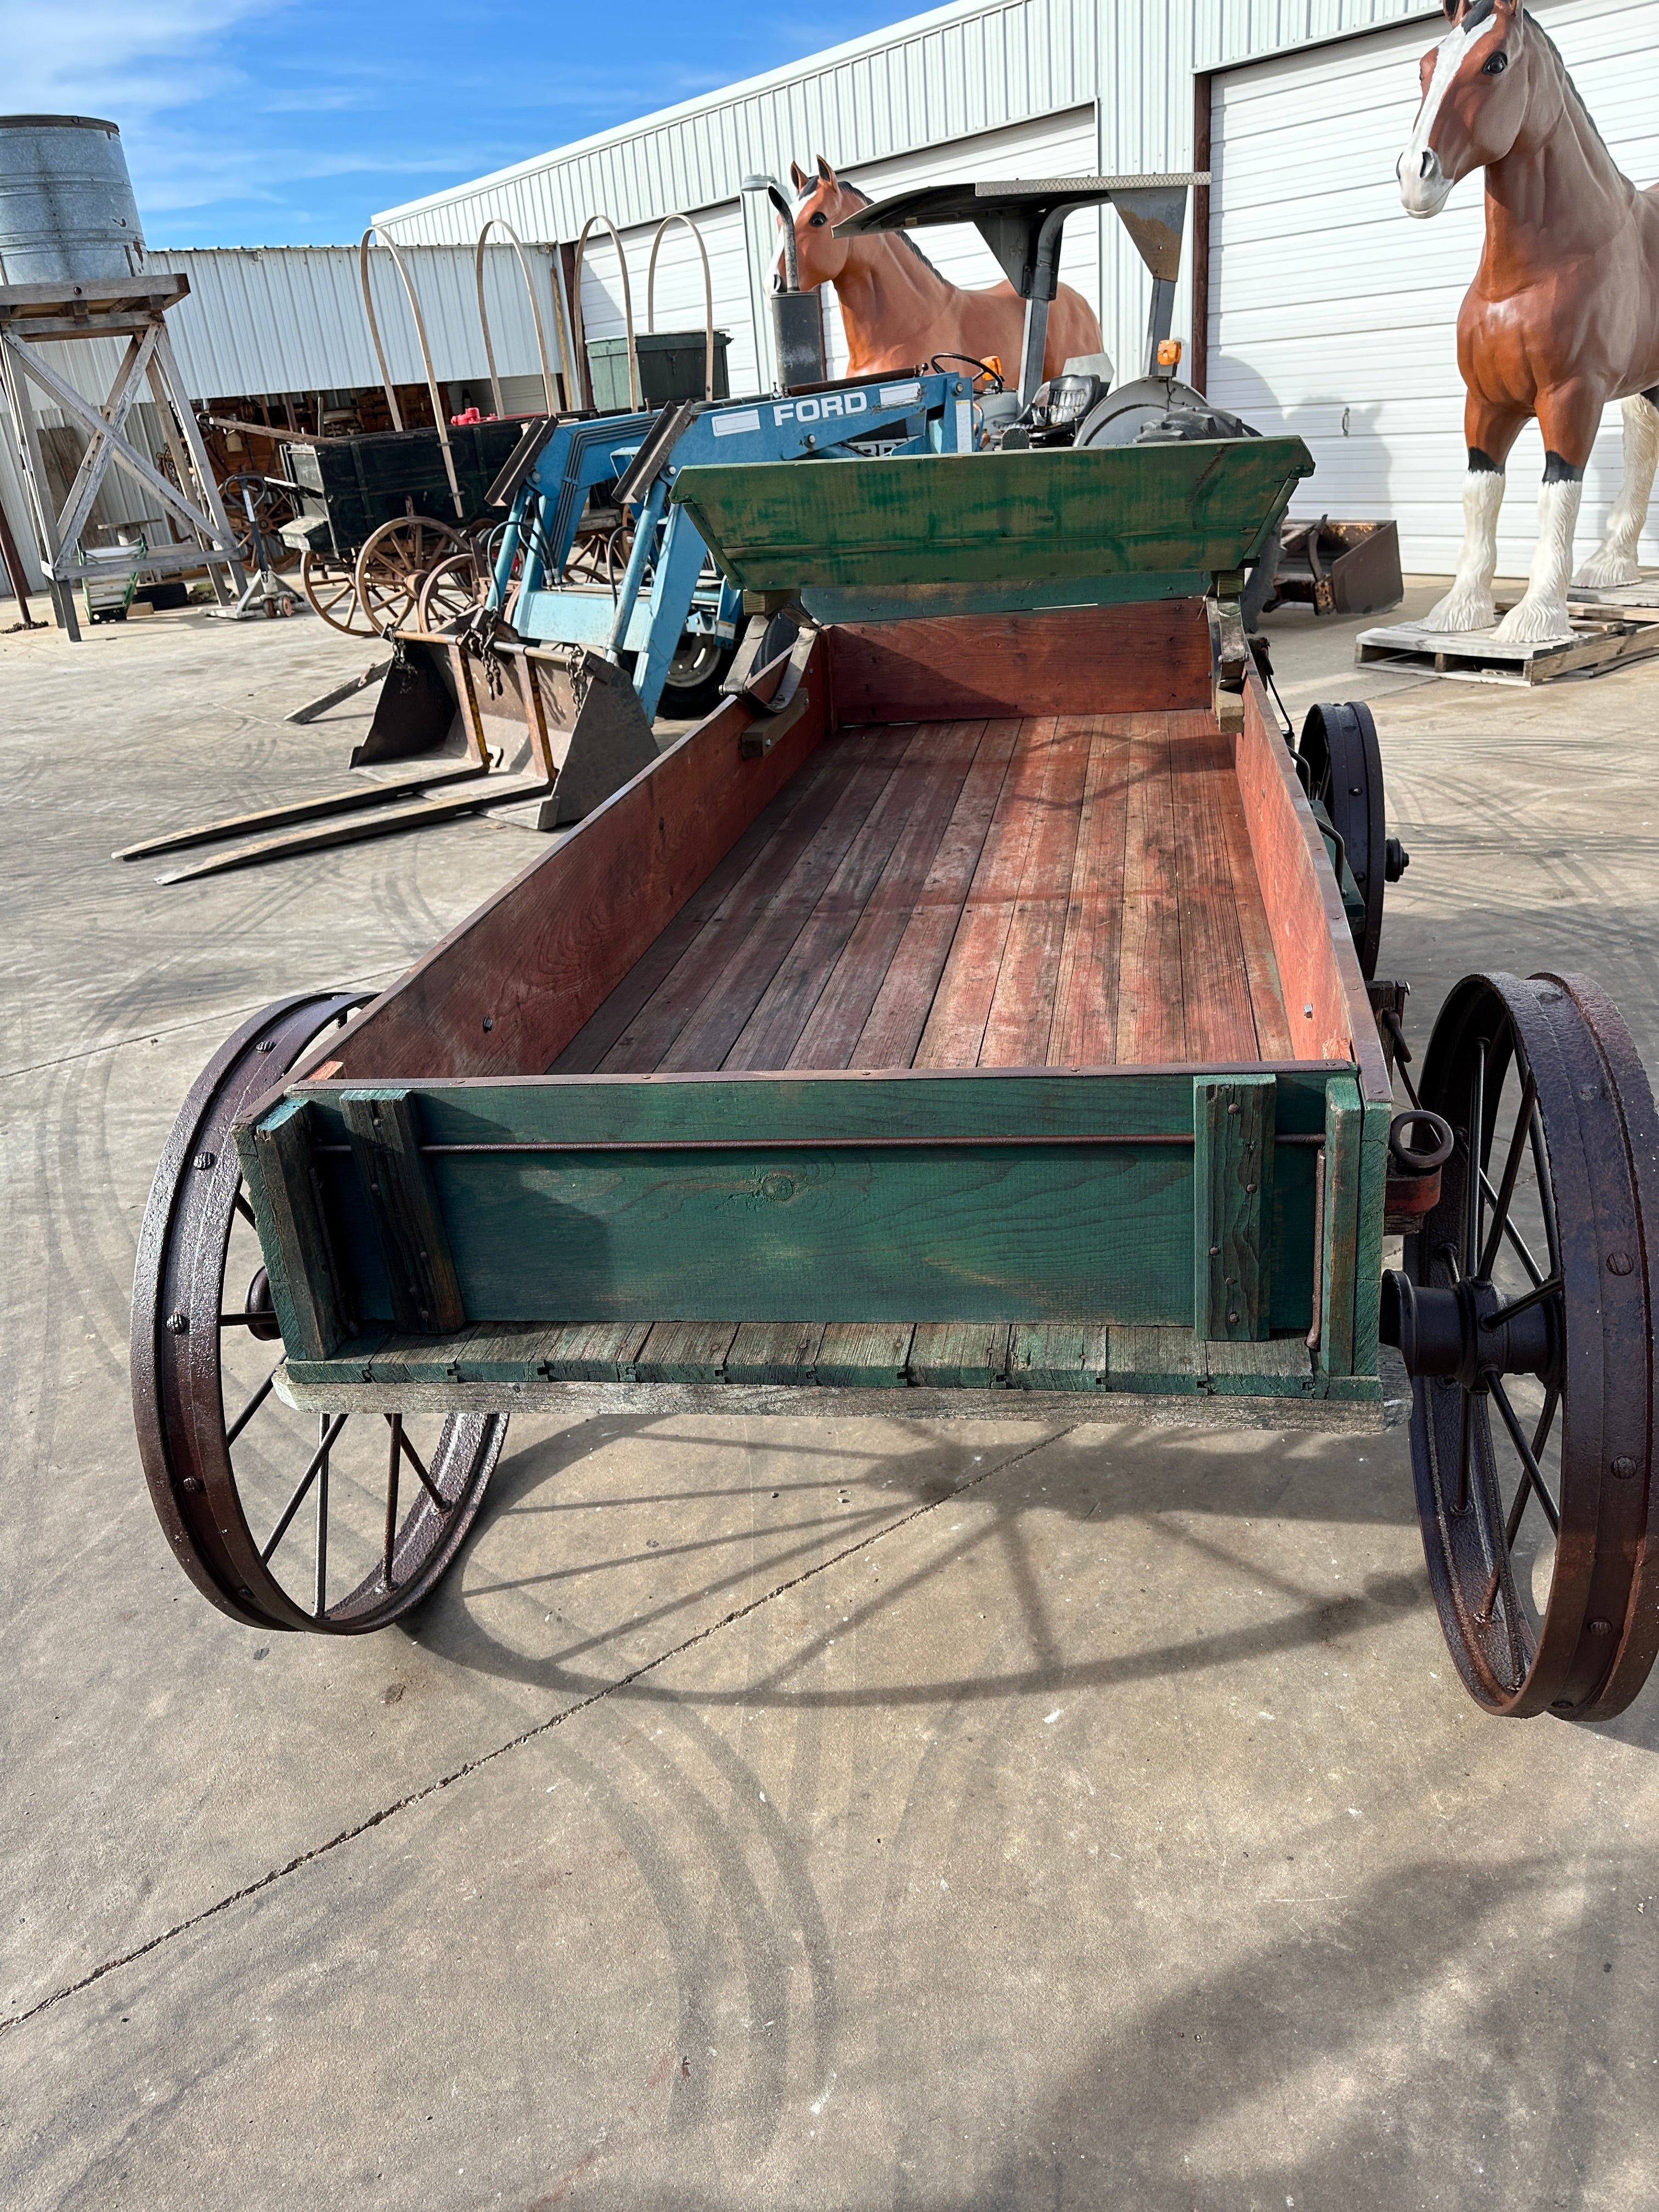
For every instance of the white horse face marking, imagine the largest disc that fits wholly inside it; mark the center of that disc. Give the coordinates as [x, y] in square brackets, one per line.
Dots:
[1423, 184]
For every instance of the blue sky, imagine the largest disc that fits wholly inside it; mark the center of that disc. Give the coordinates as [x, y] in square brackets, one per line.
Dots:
[285, 122]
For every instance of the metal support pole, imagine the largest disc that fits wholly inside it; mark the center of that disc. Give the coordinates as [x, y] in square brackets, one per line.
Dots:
[645, 534]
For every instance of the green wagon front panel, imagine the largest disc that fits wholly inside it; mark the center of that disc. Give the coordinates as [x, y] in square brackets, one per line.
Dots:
[1167, 517]
[978, 1198]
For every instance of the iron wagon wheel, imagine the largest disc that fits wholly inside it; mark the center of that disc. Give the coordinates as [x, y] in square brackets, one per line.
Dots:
[1525, 1315]
[332, 591]
[386, 1498]
[393, 561]
[448, 592]
[1345, 775]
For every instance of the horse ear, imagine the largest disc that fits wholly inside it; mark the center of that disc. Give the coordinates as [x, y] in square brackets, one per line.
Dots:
[827, 172]
[797, 177]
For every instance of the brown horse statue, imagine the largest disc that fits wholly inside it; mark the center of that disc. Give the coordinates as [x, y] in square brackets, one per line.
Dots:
[1562, 314]
[897, 309]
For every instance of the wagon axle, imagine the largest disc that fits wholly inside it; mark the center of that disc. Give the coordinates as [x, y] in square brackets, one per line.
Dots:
[1470, 1330]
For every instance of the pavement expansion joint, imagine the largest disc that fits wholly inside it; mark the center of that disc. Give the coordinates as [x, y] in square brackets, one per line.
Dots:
[470, 1767]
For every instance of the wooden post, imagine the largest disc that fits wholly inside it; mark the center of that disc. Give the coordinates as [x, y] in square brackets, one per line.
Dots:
[1233, 1119]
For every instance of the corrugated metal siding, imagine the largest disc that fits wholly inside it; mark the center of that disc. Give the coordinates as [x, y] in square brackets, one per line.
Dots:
[1361, 320]
[290, 319]
[925, 83]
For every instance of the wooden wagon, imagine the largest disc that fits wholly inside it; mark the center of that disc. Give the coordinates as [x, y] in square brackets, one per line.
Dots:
[374, 513]
[980, 1033]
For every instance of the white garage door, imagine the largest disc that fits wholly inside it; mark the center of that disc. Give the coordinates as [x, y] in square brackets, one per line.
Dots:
[1332, 313]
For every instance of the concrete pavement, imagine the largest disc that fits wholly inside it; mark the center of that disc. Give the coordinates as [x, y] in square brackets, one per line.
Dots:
[779, 1813]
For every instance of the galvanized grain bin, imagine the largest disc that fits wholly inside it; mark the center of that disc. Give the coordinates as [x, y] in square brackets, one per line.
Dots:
[67, 212]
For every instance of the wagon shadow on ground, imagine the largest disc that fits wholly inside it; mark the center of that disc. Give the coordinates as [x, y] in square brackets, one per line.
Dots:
[824, 1495]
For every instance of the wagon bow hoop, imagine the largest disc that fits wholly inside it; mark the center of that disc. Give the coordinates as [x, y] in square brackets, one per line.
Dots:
[499, 222]
[439, 414]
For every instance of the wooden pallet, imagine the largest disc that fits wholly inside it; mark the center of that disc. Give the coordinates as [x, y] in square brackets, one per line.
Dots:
[1600, 640]
[1637, 602]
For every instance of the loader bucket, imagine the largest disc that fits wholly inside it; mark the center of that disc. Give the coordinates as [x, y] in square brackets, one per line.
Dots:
[560, 715]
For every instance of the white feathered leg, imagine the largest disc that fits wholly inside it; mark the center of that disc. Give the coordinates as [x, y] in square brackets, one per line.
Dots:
[1541, 615]
[1469, 605]
[1613, 561]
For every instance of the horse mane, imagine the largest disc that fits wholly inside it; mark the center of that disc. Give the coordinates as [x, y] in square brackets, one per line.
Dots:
[903, 236]
[1535, 30]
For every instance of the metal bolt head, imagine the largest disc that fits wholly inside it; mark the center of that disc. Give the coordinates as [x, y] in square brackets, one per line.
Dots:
[489, 1021]
[1624, 1467]
[1562, 1706]
[1618, 1263]
[1589, 1091]
[1233, 1318]
[192, 1483]
[269, 1045]
[1215, 1251]
[178, 1324]
[204, 1160]
[1601, 1628]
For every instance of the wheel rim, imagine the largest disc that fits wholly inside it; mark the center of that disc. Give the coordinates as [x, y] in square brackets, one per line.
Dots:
[332, 591]
[1344, 773]
[1526, 1317]
[238, 1480]
[694, 662]
[448, 592]
[393, 563]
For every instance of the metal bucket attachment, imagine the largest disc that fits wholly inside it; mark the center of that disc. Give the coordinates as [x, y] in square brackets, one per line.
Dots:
[561, 718]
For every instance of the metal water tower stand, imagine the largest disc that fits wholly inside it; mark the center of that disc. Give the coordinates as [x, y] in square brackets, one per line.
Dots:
[71, 267]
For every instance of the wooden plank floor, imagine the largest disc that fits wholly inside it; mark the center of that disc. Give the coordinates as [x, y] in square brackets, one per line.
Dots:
[1065, 892]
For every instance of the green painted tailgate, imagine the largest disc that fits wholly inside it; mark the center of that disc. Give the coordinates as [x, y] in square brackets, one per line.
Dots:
[1151, 511]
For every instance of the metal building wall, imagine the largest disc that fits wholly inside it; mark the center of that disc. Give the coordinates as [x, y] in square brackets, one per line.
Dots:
[290, 319]
[953, 74]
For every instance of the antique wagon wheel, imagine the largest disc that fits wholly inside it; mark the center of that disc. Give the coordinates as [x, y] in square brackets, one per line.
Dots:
[386, 1500]
[393, 561]
[1345, 775]
[448, 592]
[272, 508]
[332, 591]
[1525, 1315]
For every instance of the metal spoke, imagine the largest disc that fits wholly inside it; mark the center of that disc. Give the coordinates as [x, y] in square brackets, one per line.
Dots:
[415, 1461]
[1518, 1138]
[305, 1483]
[321, 1606]
[245, 1211]
[1545, 1191]
[1465, 1423]
[1525, 1451]
[264, 1319]
[1536, 1296]
[1470, 1256]
[1488, 1497]
[1523, 1490]
[1517, 1243]
[251, 1408]
[394, 1460]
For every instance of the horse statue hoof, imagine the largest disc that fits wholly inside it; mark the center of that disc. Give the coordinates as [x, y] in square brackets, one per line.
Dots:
[1606, 568]
[1535, 622]
[1461, 610]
